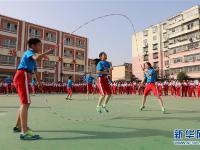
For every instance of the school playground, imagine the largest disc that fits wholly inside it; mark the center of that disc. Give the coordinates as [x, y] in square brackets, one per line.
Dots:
[75, 125]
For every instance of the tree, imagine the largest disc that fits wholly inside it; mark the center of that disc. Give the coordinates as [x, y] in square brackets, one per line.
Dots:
[182, 76]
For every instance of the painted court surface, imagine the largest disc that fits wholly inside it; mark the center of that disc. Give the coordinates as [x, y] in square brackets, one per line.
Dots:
[75, 125]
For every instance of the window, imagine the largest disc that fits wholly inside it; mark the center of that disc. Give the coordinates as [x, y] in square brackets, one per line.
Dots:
[34, 33]
[146, 58]
[80, 55]
[190, 46]
[68, 53]
[166, 44]
[155, 65]
[193, 45]
[192, 68]
[190, 26]
[145, 33]
[193, 57]
[198, 57]
[155, 55]
[10, 27]
[80, 44]
[68, 41]
[145, 43]
[176, 60]
[176, 29]
[79, 68]
[50, 37]
[48, 77]
[171, 41]
[68, 67]
[165, 26]
[145, 49]
[49, 64]
[7, 60]
[167, 63]
[155, 46]
[154, 29]
[165, 36]
[166, 53]
[9, 43]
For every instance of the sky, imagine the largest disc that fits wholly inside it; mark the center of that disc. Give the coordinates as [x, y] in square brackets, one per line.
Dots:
[111, 34]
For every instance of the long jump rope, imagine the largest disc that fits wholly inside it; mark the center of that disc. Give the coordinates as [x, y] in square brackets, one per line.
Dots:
[78, 28]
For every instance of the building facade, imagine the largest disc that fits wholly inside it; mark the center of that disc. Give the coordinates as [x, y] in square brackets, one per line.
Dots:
[91, 66]
[122, 72]
[171, 46]
[69, 57]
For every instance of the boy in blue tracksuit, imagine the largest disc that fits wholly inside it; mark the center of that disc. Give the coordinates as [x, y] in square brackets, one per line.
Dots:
[69, 88]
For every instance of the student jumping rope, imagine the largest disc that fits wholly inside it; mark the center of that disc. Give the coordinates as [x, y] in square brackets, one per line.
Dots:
[69, 88]
[150, 78]
[26, 68]
[89, 80]
[103, 69]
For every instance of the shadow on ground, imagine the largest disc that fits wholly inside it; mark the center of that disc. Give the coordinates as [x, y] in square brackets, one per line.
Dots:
[89, 135]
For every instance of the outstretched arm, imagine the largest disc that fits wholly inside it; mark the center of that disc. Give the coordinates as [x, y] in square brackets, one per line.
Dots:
[40, 56]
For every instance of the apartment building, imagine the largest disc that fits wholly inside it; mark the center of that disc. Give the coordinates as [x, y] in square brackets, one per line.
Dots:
[69, 57]
[122, 72]
[172, 46]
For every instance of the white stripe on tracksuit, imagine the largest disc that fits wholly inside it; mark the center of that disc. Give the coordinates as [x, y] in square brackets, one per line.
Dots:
[26, 85]
[102, 92]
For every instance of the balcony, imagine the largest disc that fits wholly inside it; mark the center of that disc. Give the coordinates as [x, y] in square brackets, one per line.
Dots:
[145, 50]
[79, 68]
[68, 67]
[146, 58]
[193, 45]
[145, 45]
[155, 47]
[185, 31]
[49, 65]
[167, 63]
[34, 35]
[80, 46]
[7, 45]
[7, 60]
[68, 43]
[80, 56]
[155, 55]
[145, 33]
[9, 27]
[51, 39]
[10, 30]
[68, 54]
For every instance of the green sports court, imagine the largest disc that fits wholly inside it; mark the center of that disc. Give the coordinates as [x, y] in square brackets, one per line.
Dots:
[75, 125]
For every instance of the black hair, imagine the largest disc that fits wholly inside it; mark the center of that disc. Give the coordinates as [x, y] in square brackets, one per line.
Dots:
[33, 41]
[97, 60]
[149, 64]
[70, 77]
[102, 53]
